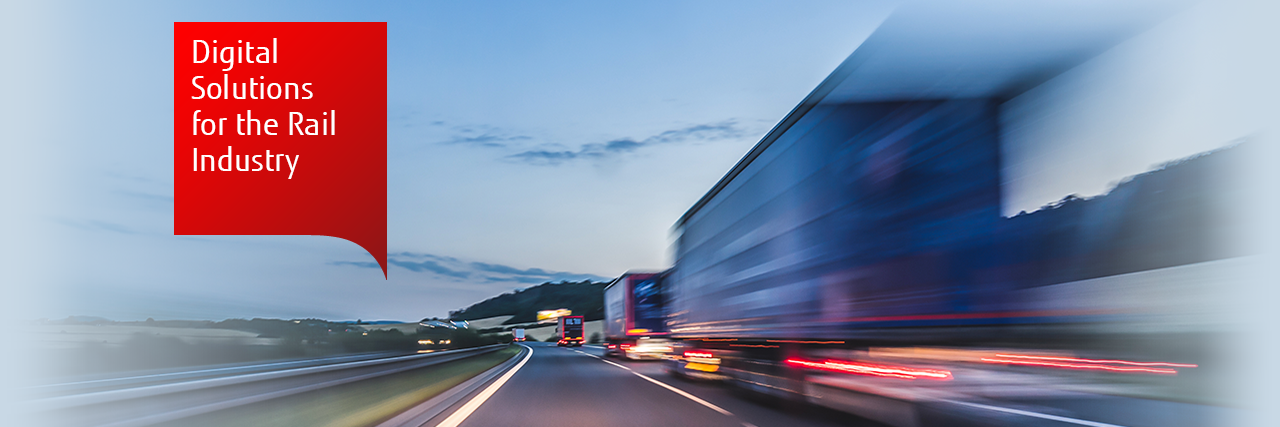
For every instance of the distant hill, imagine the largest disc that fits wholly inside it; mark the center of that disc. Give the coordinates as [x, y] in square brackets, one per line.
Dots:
[585, 298]
[1177, 214]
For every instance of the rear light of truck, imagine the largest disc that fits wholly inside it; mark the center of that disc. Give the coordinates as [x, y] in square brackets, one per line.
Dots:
[1089, 364]
[872, 369]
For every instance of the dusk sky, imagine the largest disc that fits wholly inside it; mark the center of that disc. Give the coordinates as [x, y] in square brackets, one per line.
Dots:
[527, 142]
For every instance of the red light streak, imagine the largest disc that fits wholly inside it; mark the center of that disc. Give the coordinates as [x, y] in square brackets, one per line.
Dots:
[698, 354]
[901, 372]
[1081, 366]
[1113, 362]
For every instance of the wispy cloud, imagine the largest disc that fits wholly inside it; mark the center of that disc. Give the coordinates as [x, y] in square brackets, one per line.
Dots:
[499, 268]
[485, 136]
[458, 270]
[431, 266]
[703, 132]
[360, 264]
[503, 273]
[427, 256]
[487, 140]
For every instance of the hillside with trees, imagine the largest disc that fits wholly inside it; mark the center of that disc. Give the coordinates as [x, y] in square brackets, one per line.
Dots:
[585, 298]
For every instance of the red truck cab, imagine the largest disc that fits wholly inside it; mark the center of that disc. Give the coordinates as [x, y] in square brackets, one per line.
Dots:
[570, 331]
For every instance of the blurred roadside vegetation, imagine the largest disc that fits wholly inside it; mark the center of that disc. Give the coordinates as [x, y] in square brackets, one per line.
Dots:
[362, 403]
[103, 347]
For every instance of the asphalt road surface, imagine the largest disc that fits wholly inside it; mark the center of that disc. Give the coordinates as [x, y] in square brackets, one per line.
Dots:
[571, 387]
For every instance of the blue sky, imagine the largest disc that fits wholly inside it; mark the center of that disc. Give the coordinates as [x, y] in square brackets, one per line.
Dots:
[527, 142]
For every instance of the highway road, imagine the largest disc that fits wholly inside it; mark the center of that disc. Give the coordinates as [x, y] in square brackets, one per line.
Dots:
[569, 387]
[544, 385]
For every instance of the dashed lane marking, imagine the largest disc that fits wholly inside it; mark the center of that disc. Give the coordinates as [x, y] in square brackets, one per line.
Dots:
[664, 385]
[1035, 414]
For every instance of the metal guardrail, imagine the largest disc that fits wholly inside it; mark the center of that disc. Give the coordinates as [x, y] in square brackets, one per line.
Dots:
[172, 376]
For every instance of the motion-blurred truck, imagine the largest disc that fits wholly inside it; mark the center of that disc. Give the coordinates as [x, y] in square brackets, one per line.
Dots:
[635, 315]
[860, 256]
[518, 334]
[569, 329]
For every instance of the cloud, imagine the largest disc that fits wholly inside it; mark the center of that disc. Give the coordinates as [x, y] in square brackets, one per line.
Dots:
[486, 140]
[703, 132]
[503, 273]
[455, 269]
[427, 256]
[499, 268]
[431, 266]
[483, 136]
[356, 264]
[551, 157]
[622, 145]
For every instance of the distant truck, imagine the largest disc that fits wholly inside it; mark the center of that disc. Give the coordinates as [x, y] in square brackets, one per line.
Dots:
[635, 314]
[518, 333]
[569, 330]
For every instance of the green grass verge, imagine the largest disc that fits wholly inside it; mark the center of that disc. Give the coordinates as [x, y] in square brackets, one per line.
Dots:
[362, 403]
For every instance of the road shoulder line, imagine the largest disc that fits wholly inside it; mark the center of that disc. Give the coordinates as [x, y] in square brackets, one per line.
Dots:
[457, 417]
[422, 413]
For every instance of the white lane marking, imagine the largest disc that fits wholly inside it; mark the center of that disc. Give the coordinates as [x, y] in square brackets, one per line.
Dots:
[976, 405]
[589, 354]
[682, 393]
[615, 364]
[664, 385]
[1035, 414]
[465, 411]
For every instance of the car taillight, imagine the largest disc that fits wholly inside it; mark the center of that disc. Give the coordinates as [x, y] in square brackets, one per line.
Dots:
[698, 354]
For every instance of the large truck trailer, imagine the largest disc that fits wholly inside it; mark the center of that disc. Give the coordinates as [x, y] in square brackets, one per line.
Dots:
[635, 316]
[860, 256]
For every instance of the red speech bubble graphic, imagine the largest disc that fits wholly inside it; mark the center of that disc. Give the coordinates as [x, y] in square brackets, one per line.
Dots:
[281, 129]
